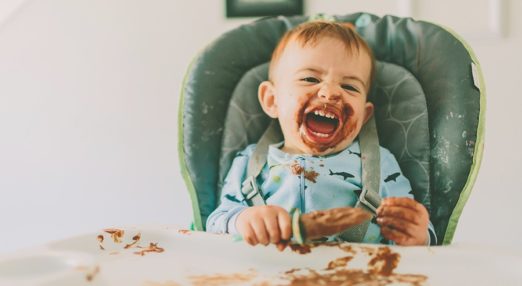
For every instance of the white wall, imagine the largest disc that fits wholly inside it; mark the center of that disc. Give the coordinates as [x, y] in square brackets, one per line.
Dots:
[88, 110]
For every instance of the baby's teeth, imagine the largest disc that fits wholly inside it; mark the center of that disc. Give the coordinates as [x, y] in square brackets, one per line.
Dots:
[320, 134]
[327, 115]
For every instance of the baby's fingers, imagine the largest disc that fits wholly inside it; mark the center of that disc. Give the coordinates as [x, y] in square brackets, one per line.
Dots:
[398, 225]
[396, 235]
[399, 213]
[260, 231]
[272, 227]
[249, 235]
[282, 245]
[405, 203]
[285, 225]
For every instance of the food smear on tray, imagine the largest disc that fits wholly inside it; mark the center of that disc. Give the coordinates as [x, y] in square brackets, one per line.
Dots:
[118, 236]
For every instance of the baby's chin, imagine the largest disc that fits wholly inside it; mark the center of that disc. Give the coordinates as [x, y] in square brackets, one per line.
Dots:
[314, 150]
[330, 150]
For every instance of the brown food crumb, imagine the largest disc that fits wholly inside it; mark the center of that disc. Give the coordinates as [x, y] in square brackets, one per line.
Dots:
[339, 262]
[368, 250]
[379, 272]
[384, 261]
[153, 247]
[311, 176]
[296, 168]
[91, 274]
[292, 270]
[301, 249]
[222, 279]
[413, 279]
[184, 231]
[100, 241]
[352, 277]
[347, 248]
[135, 239]
[116, 234]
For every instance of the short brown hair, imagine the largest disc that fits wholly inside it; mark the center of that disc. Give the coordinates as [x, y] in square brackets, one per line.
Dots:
[311, 32]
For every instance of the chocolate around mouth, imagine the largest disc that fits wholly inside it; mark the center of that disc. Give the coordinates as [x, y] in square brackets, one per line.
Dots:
[323, 122]
[343, 127]
[321, 125]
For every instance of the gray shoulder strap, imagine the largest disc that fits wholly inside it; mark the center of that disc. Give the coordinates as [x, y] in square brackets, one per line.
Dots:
[257, 161]
[369, 199]
[371, 167]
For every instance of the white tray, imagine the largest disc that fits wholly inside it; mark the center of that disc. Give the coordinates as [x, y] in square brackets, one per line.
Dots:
[197, 258]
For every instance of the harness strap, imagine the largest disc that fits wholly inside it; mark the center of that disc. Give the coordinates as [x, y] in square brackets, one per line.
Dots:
[257, 161]
[369, 199]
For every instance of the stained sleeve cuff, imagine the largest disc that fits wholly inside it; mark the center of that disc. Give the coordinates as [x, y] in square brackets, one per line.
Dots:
[231, 223]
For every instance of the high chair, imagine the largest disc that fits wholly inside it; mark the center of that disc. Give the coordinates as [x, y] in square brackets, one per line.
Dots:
[428, 93]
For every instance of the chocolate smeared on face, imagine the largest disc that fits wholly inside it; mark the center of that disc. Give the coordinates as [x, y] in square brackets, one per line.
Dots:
[322, 121]
[322, 128]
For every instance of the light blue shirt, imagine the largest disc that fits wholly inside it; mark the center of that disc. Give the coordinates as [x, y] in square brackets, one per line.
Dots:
[308, 183]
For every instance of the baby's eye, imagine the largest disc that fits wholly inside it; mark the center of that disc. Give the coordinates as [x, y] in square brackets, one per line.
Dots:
[350, 87]
[310, 79]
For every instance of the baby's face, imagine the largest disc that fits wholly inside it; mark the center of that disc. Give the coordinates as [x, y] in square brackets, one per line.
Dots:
[320, 95]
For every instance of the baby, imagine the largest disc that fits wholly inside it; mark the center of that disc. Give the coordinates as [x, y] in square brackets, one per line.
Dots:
[319, 78]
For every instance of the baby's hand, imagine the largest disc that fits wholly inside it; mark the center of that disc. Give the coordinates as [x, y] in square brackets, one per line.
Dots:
[404, 221]
[264, 225]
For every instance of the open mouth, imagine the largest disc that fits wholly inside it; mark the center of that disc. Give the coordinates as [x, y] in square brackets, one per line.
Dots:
[322, 124]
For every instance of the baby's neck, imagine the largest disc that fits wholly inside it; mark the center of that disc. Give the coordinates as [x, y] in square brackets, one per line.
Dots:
[294, 151]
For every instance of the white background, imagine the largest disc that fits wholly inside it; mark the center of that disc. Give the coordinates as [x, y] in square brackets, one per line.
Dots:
[88, 111]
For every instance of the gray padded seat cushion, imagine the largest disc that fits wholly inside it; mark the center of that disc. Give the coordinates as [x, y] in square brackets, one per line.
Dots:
[400, 110]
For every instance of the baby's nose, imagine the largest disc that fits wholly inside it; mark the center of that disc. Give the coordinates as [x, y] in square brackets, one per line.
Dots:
[330, 92]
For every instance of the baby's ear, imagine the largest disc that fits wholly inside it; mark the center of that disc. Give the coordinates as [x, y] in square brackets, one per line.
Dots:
[267, 99]
[368, 111]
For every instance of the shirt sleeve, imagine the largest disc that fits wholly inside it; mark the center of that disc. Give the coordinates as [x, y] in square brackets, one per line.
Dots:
[395, 184]
[232, 202]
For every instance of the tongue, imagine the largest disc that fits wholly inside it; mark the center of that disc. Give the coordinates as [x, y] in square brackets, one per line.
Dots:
[320, 124]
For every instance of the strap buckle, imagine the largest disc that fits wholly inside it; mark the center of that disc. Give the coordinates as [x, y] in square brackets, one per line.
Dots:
[249, 188]
[369, 200]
